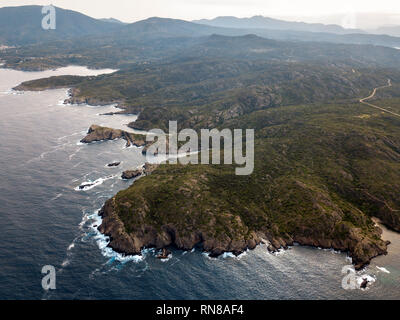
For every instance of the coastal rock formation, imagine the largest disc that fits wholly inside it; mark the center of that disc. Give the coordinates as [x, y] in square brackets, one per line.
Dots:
[114, 164]
[148, 168]
[75, 97]
[147, 146]
[84, 186]
[49, 83]
[194, 211]
[131, 174]
[145, 170]
[364, 283]
[164, 254]
[361, 250]
[98, 133]
[147, 236]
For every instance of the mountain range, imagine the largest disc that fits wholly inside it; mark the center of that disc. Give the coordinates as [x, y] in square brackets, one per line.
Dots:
[22, 26]
[260, 22]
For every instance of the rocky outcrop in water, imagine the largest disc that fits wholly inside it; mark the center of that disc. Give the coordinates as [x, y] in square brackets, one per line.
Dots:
[84, 186]
[113, 164]
[364, 284]
[164, 254]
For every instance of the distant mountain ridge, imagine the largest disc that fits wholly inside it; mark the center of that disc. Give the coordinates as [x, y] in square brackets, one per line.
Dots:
[20, 26]
[156, 27]
[112, 20]
[23, 25]
[260, 22]
[389, 30]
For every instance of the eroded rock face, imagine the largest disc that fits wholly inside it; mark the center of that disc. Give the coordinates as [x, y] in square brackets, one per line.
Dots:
[224, 232]
[168, 235]
[75, 97]
[98, 133]
[112, 226]
[164, 254]
[147, 169]
[131, 174]
[147, 237]
[360, 250]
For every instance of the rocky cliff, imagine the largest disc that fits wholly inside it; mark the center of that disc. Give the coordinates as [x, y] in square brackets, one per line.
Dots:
[98, 133]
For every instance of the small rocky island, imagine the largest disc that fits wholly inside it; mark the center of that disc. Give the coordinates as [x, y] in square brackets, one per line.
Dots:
[114, 164]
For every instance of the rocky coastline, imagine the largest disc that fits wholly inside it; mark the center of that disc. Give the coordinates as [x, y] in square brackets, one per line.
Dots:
[166, 236]
[130, 237]
[142, 171]
[361, 249]
[74, 97]
[98, 133]
[316, 219]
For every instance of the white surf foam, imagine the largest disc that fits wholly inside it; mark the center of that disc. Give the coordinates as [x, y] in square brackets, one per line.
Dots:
[56, 197]
[167, 258]
[383, 269]
[361, 278]
[102, 242]
[279, 252]
[65, 263]
[207, 255]
[92, 184]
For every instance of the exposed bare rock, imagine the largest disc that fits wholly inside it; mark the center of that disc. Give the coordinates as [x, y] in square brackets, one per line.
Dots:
[150, 167]
[164, 254]
[188, 221]
[147, 169]
[131, 174]
[148, 237]
[98, 133]
[114, 164]
[364, 284]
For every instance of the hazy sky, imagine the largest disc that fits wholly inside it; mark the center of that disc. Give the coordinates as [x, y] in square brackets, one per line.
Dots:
[133, 10]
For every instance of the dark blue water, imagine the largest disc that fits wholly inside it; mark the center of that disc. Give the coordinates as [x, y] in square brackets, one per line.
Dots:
[45, 221]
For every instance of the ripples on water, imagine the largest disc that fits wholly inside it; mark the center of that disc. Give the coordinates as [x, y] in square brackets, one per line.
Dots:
[46, 221]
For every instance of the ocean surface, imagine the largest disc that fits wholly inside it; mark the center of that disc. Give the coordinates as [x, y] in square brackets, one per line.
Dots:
[46, 220]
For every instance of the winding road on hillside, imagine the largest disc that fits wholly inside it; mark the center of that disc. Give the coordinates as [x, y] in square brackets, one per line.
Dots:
[373, 95]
